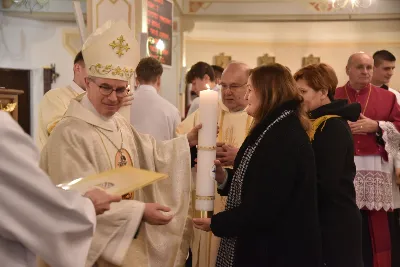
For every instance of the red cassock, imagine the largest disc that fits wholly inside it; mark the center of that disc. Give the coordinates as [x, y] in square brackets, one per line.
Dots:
[379, 105]
[376, 104]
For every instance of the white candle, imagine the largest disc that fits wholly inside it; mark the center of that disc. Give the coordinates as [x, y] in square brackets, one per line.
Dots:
[205, 181]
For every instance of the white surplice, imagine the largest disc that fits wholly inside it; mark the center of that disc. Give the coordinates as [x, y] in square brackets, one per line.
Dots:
[154, 115]
[36, 218]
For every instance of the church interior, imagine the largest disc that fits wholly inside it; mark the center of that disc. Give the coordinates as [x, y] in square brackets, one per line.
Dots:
[39, 39]
[45, 44]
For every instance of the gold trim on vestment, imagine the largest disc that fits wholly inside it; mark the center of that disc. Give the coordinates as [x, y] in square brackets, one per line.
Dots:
[207, 148]
[203, 214]
[205, 197]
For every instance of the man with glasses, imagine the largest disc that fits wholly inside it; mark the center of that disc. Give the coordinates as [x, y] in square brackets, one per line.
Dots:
[56, 101]
[234, 125]
[93, 137]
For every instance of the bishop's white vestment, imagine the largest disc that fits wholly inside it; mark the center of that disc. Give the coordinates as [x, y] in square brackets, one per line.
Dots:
[84, 143]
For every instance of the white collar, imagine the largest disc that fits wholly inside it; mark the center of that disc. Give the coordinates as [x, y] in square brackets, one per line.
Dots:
[89, 106]
[76, 88]
[146, 87]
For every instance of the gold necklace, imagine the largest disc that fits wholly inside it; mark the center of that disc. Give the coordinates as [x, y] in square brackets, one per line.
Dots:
[366, 104]
[122, 161]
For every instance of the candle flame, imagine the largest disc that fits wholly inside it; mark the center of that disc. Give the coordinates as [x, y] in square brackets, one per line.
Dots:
[208, 87]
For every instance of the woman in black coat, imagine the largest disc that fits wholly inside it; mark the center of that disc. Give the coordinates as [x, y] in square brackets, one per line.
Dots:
[332, 141]
[271, 215]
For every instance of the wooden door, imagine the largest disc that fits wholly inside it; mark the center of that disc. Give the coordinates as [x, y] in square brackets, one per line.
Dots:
[20, 80]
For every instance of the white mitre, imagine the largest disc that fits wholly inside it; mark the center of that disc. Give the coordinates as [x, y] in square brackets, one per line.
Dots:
[110, 53]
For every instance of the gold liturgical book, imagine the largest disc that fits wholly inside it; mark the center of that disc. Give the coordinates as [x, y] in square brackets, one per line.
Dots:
[118, 181]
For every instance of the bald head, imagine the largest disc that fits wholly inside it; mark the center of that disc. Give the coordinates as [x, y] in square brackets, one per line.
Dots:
[234, 85]
[359, 69]
[356, 57]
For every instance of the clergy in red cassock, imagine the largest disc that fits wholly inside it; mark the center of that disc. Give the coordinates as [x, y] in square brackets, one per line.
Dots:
[373, 180]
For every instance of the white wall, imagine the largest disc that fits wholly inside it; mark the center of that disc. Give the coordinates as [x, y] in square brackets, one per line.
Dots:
[30, 44]
[333, 42]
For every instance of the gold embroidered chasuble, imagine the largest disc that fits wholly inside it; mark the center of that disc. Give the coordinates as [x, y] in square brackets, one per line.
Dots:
[233, 129]
[84, 143]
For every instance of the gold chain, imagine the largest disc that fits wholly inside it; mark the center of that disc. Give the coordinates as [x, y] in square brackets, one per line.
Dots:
[366, 104]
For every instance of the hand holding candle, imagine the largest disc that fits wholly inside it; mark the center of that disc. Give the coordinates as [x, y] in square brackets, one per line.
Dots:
[206, 155]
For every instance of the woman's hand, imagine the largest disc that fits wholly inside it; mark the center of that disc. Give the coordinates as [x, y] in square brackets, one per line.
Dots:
[202, 224]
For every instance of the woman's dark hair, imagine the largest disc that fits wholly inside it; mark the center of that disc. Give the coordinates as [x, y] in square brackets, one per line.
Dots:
[274, 84]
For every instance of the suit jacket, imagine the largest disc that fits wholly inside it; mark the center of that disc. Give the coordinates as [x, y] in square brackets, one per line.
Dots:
[277, 223]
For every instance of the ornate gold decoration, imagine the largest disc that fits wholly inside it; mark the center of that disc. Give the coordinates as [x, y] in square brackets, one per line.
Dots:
[205, 197]
[310, 60]
[10, 107]
[222, 60]
[204, 214]
[208, 148]
[265, 60]
[120, 45]
[116, 71]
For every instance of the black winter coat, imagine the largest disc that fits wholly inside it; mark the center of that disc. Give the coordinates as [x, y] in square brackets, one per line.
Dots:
[277, 222]
[340, 218]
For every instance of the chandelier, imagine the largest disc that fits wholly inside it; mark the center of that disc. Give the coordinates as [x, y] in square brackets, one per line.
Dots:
[32, 5]
[340, 4]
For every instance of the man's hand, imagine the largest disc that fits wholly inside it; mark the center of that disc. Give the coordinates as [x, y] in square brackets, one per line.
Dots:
[202, 224]
[101, 200]
[193, 136]
[152, 214]
[364, 125]
[226, 154]
[128, 99]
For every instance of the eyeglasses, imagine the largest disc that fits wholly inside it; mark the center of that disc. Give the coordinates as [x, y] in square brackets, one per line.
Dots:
[107, 90]
[233, 87]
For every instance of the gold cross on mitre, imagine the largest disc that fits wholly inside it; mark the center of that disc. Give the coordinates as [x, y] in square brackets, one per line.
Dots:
[120, 45]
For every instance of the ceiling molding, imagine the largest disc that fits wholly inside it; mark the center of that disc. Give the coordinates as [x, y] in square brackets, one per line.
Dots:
[306, 43]
[44, 16]
[293, 18]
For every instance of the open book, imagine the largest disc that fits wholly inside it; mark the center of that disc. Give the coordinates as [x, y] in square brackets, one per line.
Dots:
[118, 181]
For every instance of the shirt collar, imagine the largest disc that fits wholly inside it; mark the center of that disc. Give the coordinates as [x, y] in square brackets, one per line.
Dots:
[82, 108]
[146, 87]
[360, 92]
[76, 88]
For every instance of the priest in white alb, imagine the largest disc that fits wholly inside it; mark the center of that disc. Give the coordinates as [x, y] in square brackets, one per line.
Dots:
[93, 137]
[234, 124]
